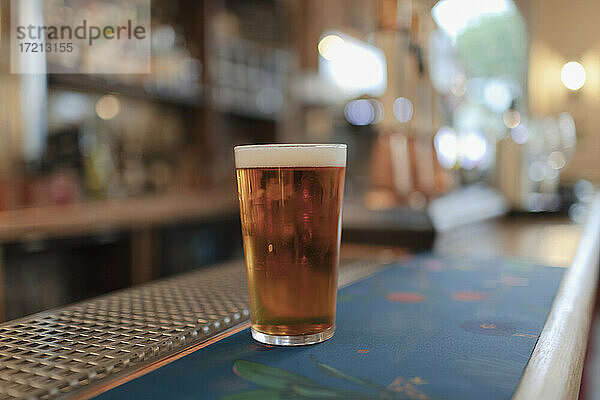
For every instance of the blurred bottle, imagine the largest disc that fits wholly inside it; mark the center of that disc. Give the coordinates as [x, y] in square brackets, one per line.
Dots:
[403, 159]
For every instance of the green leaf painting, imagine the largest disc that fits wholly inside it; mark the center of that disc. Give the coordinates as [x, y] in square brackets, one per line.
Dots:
[277, 383]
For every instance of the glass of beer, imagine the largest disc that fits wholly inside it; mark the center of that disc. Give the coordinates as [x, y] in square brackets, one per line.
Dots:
[291, 213]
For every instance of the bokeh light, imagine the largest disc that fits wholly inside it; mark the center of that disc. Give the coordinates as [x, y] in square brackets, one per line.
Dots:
[497, 95]
[572, 75]
[520, 134]
[356, 67]
[537, 171]
[556, 160]
[472, 149]
[379, 110]
[360, 112]
[454, 16]
[403, 109]
[511, 119]
[584, 190]
[331, 46]
[446, 147]
[108, 107]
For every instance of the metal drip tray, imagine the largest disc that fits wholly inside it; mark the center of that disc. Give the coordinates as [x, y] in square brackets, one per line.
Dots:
[66, 351]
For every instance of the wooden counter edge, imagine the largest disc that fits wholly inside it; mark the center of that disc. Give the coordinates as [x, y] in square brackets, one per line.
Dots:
[555, 367]
[88, 218]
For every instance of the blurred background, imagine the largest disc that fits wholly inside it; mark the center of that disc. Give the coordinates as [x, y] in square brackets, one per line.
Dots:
[453, 111]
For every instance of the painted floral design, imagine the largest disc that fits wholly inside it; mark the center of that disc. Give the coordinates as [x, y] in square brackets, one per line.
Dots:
[278, 383]
[469, 296]
[406, 297]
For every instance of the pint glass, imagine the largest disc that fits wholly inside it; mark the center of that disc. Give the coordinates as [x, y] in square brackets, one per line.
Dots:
[290, 206]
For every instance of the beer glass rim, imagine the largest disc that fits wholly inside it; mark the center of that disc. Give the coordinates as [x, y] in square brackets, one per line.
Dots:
[290, 155]
[300, 145]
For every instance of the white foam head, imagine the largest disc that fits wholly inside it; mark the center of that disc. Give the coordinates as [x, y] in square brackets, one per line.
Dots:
[290, 155]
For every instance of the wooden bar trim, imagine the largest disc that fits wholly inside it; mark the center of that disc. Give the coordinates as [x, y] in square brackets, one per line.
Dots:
[555, 367]
[114, 214]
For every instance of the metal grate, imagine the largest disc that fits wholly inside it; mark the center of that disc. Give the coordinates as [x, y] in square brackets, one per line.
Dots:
[53, 353]
[64, 351]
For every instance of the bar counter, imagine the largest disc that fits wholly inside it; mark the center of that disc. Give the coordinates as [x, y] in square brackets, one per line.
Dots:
[86, 349]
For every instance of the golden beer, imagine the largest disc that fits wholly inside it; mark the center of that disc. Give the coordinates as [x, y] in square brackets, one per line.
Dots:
[290, 207]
